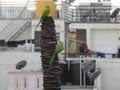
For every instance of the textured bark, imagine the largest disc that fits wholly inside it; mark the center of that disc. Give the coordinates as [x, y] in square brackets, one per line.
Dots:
[51, 76]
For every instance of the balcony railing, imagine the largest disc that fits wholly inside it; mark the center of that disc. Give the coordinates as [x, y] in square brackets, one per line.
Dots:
[16, 23]
[64, 11]
[63, 56]
[13, 10]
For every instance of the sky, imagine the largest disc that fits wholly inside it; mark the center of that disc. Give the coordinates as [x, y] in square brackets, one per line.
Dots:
[114, 2]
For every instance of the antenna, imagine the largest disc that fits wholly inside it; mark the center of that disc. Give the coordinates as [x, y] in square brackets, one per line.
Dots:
[20, 65]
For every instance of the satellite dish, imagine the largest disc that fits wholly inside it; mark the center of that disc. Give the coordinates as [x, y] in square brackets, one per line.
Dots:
[115, 13]
[21, 64]
[71, 1]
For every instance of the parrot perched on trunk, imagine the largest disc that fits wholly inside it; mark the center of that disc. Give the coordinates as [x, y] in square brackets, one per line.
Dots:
[58, 48]
[45, 14]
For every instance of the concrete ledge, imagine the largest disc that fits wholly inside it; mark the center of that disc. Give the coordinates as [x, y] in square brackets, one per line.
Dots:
[76, 88]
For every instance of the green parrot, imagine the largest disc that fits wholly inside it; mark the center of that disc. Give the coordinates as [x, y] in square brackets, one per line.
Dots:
[45, 14]
[58, 48]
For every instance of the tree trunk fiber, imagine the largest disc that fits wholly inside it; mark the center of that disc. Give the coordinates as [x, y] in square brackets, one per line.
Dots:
[51, 76]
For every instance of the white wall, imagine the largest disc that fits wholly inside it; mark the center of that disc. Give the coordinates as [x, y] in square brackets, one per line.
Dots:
[102, 39]
[18, 78]
[60, 28]
[27, 34]
[110, 74]
[4, 23]
[8, 61]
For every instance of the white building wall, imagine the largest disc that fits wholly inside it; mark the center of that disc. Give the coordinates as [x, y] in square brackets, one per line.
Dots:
[60, 28]
[8, 61]
[27, 34]
[110, 74]
[105, 39]
[4, 23]
[25, 80]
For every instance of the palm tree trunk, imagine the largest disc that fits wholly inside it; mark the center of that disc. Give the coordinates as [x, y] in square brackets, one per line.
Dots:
[51, 76]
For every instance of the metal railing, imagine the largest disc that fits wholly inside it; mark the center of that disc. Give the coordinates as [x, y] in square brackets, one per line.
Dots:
[15, 24]
[63, 11]
[63, 56]
[13, 10]
[86, 13]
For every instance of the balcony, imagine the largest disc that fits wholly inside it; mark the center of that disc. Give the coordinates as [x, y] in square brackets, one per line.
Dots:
[92, 12]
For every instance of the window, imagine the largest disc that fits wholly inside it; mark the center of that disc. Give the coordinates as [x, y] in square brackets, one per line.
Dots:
[17, 83]
[38, 83]
[25, 82]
